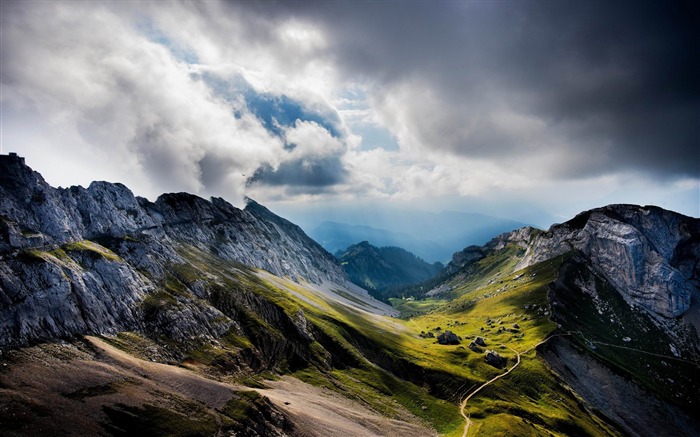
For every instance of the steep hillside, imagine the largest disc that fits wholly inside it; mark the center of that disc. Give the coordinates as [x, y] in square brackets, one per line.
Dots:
[381, 269]
[621, 291]
[80, 260]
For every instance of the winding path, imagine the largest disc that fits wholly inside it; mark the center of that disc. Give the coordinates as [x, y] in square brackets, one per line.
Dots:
[463, 405]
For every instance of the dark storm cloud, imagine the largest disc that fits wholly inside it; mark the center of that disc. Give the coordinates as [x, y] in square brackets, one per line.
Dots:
[607, 86]
[318, 174]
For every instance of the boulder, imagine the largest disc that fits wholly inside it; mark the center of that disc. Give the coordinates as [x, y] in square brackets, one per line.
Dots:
[474, 347]
[494, 359]
[448, 337]
[480, 341]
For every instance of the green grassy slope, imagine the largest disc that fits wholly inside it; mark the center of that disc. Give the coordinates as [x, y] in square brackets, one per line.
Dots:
[390, 365]
[385, 362]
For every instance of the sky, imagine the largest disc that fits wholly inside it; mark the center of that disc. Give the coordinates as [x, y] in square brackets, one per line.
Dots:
[528, 110]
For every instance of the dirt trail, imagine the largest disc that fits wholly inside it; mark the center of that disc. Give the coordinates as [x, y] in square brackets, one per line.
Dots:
[463, 405]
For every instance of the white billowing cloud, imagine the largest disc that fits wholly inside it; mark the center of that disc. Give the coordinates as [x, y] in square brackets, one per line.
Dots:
[127, 96]
[311, 140]
[279, 55]
[399, 177]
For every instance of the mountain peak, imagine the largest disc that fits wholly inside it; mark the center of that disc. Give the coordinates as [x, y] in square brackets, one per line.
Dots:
[380, 269]
[642, 250]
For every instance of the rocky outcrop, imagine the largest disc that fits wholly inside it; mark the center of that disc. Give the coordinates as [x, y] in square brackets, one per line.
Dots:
[466, 256]
[645, 252]
[36, 215]
[42, 296]
[650, 255]
[101, 260]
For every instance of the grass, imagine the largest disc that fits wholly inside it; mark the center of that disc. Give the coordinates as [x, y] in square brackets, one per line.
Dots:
[383, 362]
[387, 395]
[62, 255]
[91, 248]
[241, 408]
[415, 307]
[156, 302]
[528, 402]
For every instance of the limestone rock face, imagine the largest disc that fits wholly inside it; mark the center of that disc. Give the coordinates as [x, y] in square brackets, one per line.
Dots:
[648, 254]
[91, 260]
[35, 215]
[468, 255]
[43, 297]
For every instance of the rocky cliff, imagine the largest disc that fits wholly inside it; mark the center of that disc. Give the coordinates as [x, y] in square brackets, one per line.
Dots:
[650, 255]
[624, 299]
[80, 260]
[647, 253]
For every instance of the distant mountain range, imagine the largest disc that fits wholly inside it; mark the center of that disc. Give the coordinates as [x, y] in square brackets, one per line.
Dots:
[448, 233]
[380, 268]
[335, 237]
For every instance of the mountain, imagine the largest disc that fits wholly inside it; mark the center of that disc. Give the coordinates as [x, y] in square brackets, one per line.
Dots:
[380, 268]
[431, 236]
[623, 289]
[183, 316]
[100, 250]
[335, 237]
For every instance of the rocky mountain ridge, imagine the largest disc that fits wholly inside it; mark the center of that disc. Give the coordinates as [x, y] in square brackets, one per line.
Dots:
[35, 214]
[625, 301]
[650, 255]
[76, 260]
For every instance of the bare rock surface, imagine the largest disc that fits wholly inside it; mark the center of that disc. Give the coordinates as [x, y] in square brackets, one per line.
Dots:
[636, 410]
[636, 248]
[650, 255]
[92, 260]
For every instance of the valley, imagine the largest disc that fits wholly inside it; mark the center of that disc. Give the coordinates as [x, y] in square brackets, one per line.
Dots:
[121, 316]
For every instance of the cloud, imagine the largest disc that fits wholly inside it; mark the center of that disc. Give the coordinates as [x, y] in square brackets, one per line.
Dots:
[335, 100]
[135, 101]
[589, 88]
[312, 159]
